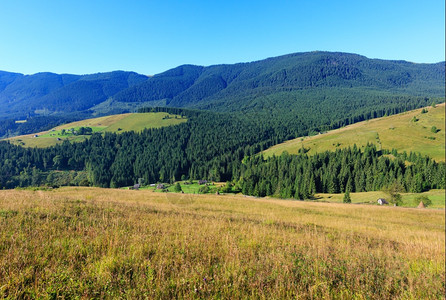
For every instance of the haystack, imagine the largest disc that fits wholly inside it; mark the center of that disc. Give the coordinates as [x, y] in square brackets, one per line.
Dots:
[421, 205]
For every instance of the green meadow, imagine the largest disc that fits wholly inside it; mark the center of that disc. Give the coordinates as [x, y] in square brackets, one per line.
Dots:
[113, 123]
[409, 131]
[436, 196]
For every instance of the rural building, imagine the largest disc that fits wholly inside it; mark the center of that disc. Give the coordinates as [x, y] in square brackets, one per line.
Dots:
[382, 201]
[161, 186]
[202, 181]
[136, 186]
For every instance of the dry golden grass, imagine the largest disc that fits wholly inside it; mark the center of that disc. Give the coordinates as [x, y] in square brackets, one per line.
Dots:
[106, 243]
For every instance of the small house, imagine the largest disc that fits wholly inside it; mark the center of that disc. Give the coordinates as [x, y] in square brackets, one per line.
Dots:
[161, 186]
[136, 186]
[202, 182]
[382, 201]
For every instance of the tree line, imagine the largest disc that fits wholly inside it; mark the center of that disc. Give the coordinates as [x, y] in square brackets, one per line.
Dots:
[342, 171]
[213, 146]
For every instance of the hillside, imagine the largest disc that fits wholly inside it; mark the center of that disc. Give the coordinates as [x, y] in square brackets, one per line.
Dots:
[400, 132]
[110, 243]
[285, 80]
[295, 82]
[114, 123]
[22, 96]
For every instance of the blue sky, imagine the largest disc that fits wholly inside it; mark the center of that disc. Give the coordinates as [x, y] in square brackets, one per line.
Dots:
[149, 37]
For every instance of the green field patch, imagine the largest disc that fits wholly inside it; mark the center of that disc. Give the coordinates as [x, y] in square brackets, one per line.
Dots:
[400, 132]
[81, 130]
[187, 187]
[141, 121]
[69, 132]
[436, 196]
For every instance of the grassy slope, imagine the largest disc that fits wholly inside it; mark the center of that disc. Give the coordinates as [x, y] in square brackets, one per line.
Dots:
[91, 242]
[396, 131]
[126, 122]
[436, 196]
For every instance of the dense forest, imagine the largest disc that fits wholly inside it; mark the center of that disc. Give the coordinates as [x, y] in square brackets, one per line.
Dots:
[220, 147]
[49, 94]
[240, 110]
[294, 85]
[350, 169]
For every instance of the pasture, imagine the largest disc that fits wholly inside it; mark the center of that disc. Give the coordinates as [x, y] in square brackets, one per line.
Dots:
[114, 123]
[113, 243]
[400, 131]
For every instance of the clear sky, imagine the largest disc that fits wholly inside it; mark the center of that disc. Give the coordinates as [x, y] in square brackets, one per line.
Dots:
[149, 37]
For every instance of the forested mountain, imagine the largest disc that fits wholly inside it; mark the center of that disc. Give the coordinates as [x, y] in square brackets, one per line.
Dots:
[280, 84]
[284, 88]
[285, 80]
[22, 96]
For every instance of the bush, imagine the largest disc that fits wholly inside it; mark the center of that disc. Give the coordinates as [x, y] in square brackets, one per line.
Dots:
[177, 188]
[347, 198]
[204, 189]
[394, 191]
[422, 198]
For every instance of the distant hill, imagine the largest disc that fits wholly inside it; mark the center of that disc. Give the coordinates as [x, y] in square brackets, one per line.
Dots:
[313, 90]
[410, 131]
[294, 77]
[114, 123]
[22, 96]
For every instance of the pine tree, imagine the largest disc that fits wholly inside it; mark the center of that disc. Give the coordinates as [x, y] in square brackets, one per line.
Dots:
[177, 187]
[347, 198]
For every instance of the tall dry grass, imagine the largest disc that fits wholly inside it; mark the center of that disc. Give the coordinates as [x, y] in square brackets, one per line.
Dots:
[104, 243]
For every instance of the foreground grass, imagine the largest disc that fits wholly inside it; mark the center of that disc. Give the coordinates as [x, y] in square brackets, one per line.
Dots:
[91, 242]
[398, 131]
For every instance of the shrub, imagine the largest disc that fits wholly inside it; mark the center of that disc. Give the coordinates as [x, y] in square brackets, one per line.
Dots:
[422, 198]
[347, 198]
[394, 191]
[177, 187]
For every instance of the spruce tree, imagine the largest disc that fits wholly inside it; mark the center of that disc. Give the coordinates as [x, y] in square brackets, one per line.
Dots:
[347, 198]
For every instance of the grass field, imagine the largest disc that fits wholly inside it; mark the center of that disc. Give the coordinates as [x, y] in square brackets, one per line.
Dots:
[397, 131]
[108, 243]
[436, 196]
[114, 123]
[186, 187]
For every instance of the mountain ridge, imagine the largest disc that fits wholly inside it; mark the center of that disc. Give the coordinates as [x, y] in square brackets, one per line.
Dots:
[285, 81]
